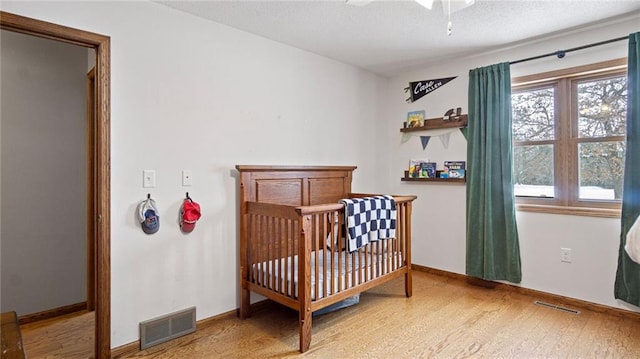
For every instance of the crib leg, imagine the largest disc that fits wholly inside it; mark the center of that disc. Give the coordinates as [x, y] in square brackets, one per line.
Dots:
[305, 330]
[245, 305]
[408, 284]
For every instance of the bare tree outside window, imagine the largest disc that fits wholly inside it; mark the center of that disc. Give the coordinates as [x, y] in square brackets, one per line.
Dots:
[602, 107]
[569, 138]
[533, 138]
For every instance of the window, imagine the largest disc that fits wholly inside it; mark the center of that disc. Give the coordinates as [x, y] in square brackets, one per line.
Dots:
[569, 139]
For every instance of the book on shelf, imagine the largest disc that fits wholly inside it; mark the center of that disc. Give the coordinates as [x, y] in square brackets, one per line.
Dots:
[453, 169]
[422, 169]
[414, 168]
[415, 119]
[428, 170]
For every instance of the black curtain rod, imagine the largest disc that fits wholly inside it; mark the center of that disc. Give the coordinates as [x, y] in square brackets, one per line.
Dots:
[561, 53]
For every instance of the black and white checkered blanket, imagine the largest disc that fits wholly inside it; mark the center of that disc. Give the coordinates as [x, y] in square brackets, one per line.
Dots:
[369, 219]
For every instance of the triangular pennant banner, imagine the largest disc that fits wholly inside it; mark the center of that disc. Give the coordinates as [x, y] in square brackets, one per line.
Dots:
[445, 139]
[425, 141]
[420, 88]
[405, 137]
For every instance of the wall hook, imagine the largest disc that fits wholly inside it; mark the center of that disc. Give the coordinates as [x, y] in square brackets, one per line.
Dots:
[148, 195]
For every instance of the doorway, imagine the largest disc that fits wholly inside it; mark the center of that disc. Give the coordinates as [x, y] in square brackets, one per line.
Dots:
[100, 134]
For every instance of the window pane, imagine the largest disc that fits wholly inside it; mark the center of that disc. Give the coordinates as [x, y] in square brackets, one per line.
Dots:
[533, 171]
[533, 115]
[602, 106]
[601, 170]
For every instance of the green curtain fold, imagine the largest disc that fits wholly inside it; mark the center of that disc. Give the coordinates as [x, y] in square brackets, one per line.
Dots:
[493, 250]
[627, 285]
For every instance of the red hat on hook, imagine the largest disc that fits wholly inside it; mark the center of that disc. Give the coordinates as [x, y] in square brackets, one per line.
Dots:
[189, 215]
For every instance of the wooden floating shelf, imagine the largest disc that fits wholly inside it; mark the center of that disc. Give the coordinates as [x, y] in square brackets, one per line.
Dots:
[450, 180]
[437, 179]
[435, 123]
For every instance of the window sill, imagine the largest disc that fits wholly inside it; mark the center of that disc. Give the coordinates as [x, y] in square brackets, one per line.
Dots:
[570, 211]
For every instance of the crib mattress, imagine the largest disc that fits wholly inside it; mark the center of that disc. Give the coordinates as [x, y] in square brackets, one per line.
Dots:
[343, 268]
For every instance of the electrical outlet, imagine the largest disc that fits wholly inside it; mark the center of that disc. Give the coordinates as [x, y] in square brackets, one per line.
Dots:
[565, 255]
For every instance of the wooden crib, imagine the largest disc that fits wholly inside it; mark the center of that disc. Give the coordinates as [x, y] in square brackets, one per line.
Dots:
[292, 241]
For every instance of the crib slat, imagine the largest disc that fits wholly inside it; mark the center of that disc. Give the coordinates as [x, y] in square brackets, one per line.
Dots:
[367, 259]
[267, 258]
[255, 243]
[325, 251]
[354, 269]
[402, 233]
[321, 256]
[341, 244]
[251, 230]
[327, 219]
[278, 255]
[292, 254]
[387, 257]
[265, 251]
[288, 257]
[259, 248]
[281, 255]
[285, 248]
[384, 257]
[379, 245]
[381, 258]
[272, 254]
[359, 258]
[394, 250]
[277, 276]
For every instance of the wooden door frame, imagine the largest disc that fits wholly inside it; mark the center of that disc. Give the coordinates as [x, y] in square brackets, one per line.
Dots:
[91, 189]
[101, 44]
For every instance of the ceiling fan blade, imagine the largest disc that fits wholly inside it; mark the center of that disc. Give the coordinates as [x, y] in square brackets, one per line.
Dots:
[456, 5]
[426, 3]
[358, 2]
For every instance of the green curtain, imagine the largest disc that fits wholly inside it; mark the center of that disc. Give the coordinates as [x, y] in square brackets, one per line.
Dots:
[493, 251]
[627, 285]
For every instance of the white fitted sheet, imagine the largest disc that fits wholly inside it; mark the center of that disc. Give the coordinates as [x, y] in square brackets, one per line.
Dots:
[343, 270]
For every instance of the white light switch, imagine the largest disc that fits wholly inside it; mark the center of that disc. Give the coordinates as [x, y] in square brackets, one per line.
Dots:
[148, 178]
[187, 178]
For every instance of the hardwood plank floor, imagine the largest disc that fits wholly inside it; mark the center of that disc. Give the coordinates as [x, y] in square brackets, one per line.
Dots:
[66, 336]
[445, 318]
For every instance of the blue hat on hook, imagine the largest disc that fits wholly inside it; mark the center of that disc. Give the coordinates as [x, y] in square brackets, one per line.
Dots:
[148, 216]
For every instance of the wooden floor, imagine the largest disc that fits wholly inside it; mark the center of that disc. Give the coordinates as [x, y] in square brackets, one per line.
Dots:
[445, 318]
[66, 336]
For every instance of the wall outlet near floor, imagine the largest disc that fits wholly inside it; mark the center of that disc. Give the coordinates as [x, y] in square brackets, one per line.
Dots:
[565, 255]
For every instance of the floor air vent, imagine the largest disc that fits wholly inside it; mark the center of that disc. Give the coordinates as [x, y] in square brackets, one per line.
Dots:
[556, 307]
[167, 327]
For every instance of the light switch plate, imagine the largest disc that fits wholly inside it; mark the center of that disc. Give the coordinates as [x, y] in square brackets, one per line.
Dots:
[187, 178]
[148, 178]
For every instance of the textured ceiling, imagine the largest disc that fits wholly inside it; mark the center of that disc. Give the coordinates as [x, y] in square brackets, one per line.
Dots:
[388, 37]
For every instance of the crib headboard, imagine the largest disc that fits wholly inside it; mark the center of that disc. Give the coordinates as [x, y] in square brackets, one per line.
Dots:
[294, 185]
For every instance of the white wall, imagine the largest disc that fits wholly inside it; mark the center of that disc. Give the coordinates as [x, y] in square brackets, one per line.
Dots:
[191, 94]
[439, 231]
[43, 174]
